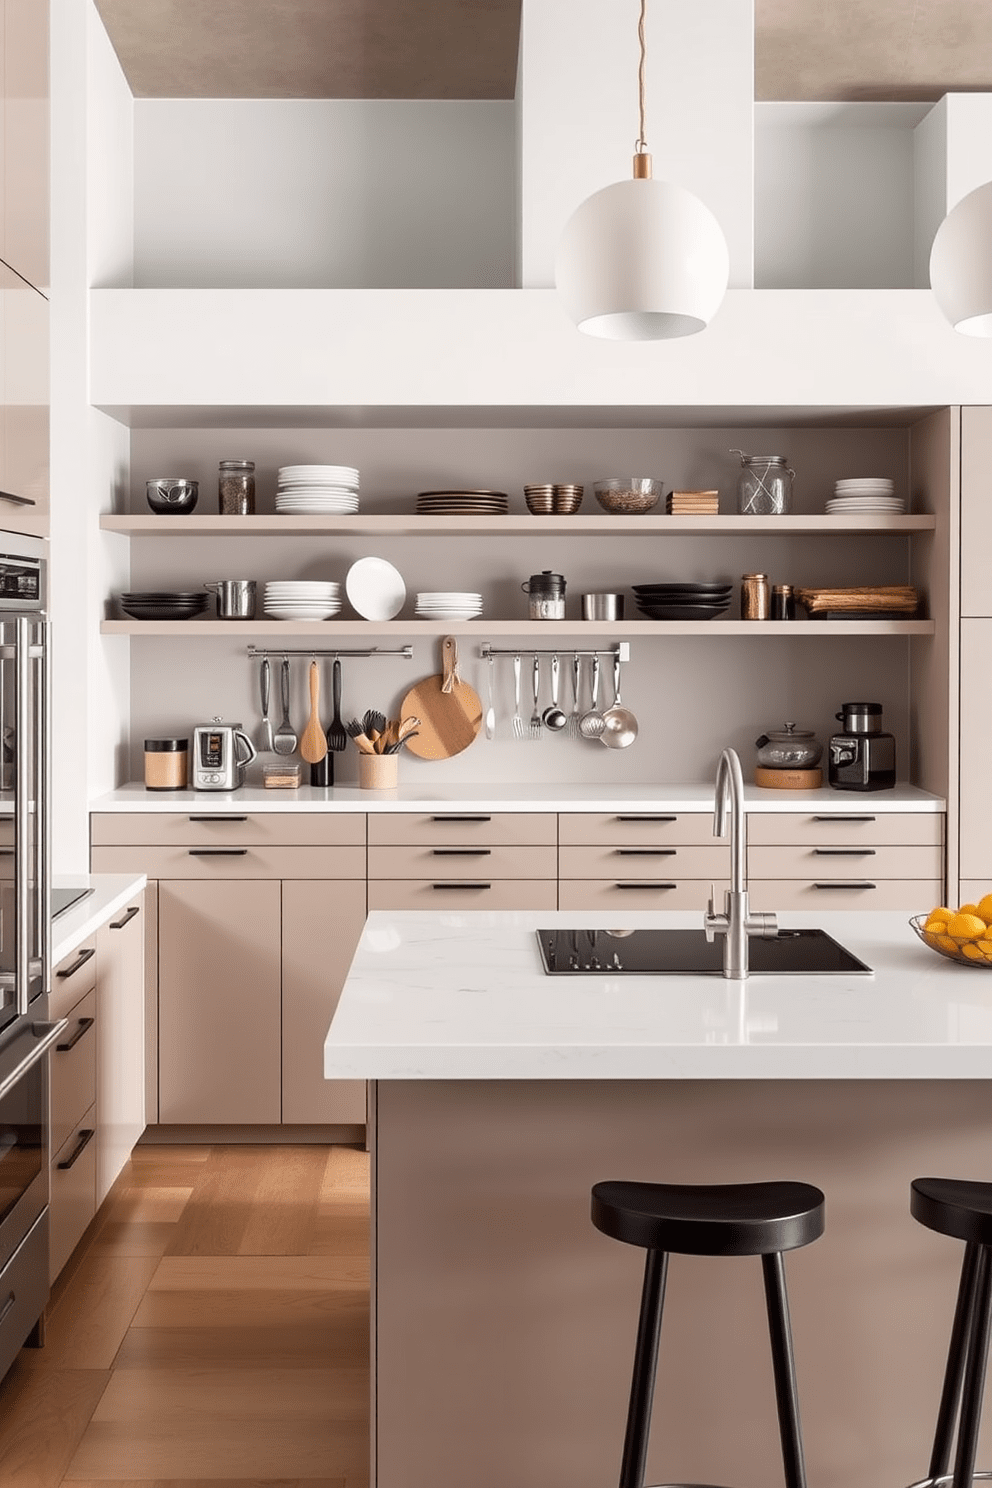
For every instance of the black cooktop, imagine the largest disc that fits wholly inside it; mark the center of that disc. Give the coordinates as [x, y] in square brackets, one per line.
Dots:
[689, 953]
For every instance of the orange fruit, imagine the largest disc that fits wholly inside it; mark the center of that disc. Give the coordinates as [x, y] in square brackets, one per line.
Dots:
[972, 952]
[966, 927]
[937, 919]
[985, 946]
[985, 909]
[946, 942]
[971, 909]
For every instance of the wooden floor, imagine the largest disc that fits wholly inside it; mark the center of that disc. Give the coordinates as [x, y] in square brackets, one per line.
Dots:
[211, 1330]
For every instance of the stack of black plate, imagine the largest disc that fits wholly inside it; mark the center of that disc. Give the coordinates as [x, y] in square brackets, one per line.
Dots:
[685, 601]
[163, 604]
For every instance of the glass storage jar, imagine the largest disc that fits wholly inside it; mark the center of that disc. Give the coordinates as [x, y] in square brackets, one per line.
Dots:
[764, 486]
[236, 488]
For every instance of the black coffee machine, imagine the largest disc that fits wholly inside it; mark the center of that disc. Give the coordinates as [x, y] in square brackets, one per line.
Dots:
[862, 757]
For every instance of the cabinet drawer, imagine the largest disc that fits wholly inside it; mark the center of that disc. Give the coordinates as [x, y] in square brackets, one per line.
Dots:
[73, 1200]
[846, 829]
[73, 1070]
[644, 862]
[204, 828]
[72, 978]
[862, 861]
[232, 862]
[463, 828]
[610, 894]
[632, 829]
[475, 893]
[473, 861]
[910, 894]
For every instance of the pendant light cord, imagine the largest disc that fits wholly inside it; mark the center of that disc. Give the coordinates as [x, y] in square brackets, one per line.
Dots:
[641, 145]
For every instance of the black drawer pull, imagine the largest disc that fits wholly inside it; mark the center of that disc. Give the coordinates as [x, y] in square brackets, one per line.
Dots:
[841, 883]
[6, 1307]
[84, 1025]
[646, 852]
[645, 886]
[461, 852]
[132, 910]
[843, 852]
[217, 818]
[85, 1138]
[646, 818]
[81, 960]
[462, 884]
[461, 818]
[18, 501]
[833, 818]
[218, 852]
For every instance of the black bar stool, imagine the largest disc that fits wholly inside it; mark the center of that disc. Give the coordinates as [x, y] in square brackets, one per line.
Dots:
[725, 1219]
[963, 1210]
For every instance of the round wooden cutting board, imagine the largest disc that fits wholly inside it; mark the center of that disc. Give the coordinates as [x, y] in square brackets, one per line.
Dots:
[449, 710]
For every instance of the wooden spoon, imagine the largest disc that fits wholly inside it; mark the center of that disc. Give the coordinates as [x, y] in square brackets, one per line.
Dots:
[313, 743]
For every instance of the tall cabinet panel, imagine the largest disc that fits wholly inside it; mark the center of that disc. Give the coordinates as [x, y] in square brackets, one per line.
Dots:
[26, 139]
[24, 459]
[975, 708]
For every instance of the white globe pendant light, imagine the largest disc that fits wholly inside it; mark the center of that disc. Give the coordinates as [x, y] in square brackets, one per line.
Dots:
[961, 263]
[642, 260]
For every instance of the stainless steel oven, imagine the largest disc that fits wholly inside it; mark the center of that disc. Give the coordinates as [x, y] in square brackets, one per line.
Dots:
[25, 942]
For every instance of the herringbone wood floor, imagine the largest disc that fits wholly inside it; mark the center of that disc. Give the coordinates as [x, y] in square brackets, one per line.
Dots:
[210, 1332]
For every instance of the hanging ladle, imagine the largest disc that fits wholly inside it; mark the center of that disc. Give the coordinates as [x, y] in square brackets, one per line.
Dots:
[619, 723]
[553, 717]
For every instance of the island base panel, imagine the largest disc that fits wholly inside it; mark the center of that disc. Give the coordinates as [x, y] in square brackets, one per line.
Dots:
[505, 1322]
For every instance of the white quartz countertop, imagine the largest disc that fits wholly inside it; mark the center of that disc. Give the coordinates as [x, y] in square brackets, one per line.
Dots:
[463, 996]
[514, 796]
[111, 892]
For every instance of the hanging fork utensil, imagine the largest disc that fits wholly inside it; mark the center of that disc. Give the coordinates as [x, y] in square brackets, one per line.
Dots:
[535, 730]
[516, 722]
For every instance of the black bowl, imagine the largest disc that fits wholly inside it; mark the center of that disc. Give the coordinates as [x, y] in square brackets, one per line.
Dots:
[686, 596]
[710, 586]
[160, 612]
[682, 611]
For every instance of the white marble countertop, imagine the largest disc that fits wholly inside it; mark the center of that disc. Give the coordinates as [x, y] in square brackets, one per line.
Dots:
[514, 796]
[464, 996]
[111, 892]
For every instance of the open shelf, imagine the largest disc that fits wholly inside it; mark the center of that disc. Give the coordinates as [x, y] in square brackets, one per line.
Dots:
[551, 631]
[409, 524]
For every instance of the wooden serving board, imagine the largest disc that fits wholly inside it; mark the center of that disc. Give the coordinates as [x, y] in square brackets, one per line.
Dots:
[449, 710]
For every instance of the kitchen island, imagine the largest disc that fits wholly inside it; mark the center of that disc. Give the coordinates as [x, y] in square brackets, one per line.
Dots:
[504, 1322]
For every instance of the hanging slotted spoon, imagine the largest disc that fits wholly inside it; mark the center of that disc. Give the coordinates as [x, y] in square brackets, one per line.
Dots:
[592, 724]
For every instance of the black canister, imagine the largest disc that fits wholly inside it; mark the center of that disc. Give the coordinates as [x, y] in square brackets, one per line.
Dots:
[547, 595]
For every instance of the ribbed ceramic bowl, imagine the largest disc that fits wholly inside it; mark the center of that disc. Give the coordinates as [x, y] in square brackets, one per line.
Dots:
[552, 500]
[628, 495]
[965, 952]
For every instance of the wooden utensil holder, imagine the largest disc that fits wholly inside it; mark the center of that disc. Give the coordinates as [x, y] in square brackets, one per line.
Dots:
[378, 771]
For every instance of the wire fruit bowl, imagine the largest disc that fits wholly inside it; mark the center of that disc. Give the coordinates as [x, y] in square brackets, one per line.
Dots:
[973, 952]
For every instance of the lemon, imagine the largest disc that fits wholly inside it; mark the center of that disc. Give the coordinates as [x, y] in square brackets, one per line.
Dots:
[972, 952]
[946, 942]
[985, 909]
[966, 927]
[971, 909]
[985, 946]
[937, 919]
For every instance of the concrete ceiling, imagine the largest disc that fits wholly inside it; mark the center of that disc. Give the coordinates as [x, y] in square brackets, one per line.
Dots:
[804, 49]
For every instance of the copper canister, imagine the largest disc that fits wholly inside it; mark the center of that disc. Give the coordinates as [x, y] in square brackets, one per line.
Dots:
[755, 597]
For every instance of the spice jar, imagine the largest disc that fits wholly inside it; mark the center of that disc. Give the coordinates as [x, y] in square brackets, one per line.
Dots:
[236, 488]
[166, 764]
[755, 597]
[783, 602]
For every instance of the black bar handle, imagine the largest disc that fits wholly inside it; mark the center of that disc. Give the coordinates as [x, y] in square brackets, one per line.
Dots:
[646, 852]
[646, 818]
[84, 1025]
[85, 1138]
[224, 818]
[461, 818]
[643, 885]
[462, 884]
[218, 852]
[844, 852]
[833, 818]
[81, 960]
[129, 915]
[461, 852]
[841, 883]
[18, 501]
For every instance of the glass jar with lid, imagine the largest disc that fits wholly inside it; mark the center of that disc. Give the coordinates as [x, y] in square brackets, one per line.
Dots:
[764, 486]
[236, 488]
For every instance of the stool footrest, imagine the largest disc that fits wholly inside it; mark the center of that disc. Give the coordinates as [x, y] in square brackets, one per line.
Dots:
[948, 1478]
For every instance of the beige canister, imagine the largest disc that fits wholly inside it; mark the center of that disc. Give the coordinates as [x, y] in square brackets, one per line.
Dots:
[166, 764]
[378, 771]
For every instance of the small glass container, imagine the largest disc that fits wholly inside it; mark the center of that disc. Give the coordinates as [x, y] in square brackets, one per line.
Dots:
[764, 486]
[783, 602]
[755, 597]
[547, 596]
[236, 488]
[166, 764]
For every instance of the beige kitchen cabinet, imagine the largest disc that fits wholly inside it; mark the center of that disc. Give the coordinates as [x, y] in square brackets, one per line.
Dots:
[24, 242]
[73, 1065]
[219, 1001]
[120, 1044]
[454, 860]
[322, 921]
[975, 827]
[639, 860]
[853, 859]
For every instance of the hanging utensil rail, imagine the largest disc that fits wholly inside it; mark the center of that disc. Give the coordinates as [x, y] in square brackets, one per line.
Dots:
[621, 650]
[255, 651]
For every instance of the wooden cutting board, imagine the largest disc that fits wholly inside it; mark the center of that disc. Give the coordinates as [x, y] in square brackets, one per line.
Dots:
[449, 710]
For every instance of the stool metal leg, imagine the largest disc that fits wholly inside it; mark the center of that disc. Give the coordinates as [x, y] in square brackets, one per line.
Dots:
[950, 1395]
[635, 1443]
[783, 1364]
[974, 1374]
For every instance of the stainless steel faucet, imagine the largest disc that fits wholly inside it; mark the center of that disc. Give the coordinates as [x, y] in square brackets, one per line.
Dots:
[736, 923]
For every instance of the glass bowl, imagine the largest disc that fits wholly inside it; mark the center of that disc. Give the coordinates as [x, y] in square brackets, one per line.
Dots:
[953, 946]
[627, 495]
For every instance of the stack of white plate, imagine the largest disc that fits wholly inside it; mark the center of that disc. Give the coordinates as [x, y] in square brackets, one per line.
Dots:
[865, 493]
[308, 490]
[448, 605]
[301, 599]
